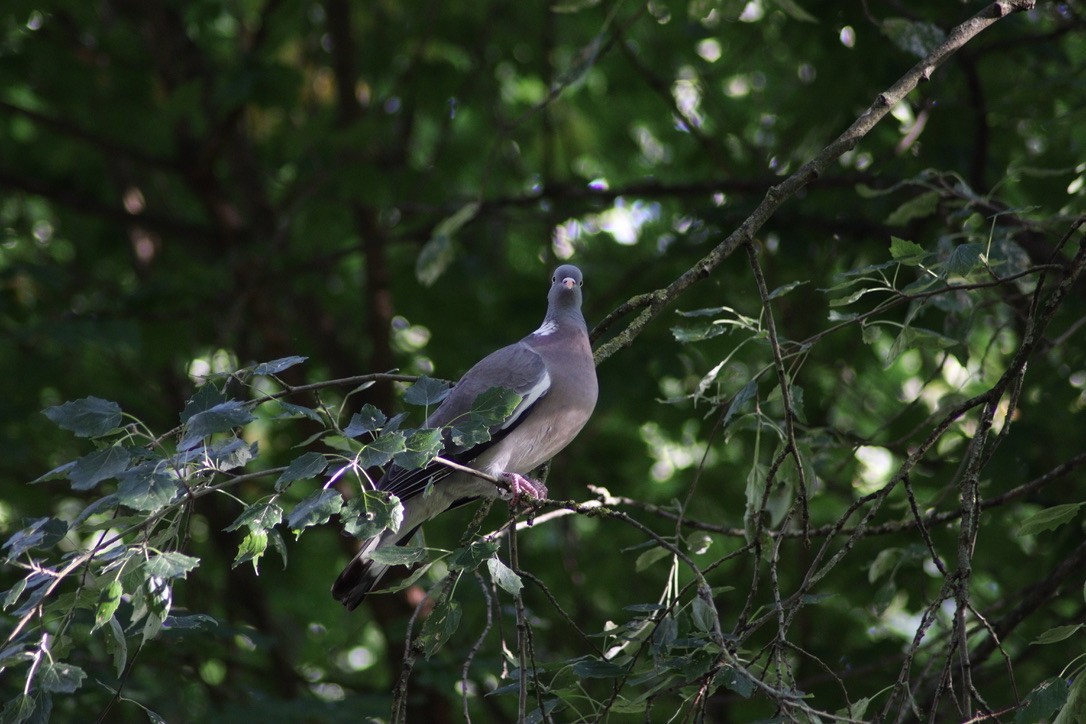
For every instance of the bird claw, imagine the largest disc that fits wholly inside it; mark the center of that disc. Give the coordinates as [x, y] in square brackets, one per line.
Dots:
[532, 490]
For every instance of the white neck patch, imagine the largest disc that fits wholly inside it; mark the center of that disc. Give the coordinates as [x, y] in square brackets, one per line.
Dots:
[549, 327]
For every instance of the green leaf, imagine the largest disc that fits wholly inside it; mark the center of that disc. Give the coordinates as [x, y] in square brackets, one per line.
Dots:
[422, 446]
[917, 338]
[504, 576]
[593, 668]
[41, 533]
[737, 682]
[440, 626]
[647, 558]
[303, 467]
[471, 431]
[1057, 634]
[471, 557]
[702, 614]
[59, 678]
[1039, 704]
[700, 332]
[963, 259]
[232, 454]
[398, 555]
[206, 397]
[60, 471]
[785, 288]
[496, 405]
[108, 602]
[370, 513]
[1049, 519]
[258, 516]
[292, 410]
[223, 417]
[906, 252]
[171, 565]
[117, 645]
[147, 488]
[426, 391]
[884, 562]
[741, 398]
[368, 419]
[698, 542]
[252, 548]
[314, 509]
[92, 469]
[1074, 709]
[19, 709]
[912, 36]
[438, 252]
[793, 10]
[279, 544]
[917, 207]
[88, 417]
[381, 450]
[276, 366]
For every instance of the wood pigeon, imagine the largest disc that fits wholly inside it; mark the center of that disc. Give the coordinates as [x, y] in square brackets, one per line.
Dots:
[553, 372]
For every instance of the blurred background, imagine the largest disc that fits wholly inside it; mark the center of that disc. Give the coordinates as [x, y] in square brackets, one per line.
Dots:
[191, 187]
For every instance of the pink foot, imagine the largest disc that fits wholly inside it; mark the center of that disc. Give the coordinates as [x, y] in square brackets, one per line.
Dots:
[520, 485]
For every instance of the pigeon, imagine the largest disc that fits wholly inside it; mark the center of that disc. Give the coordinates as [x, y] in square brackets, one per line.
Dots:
[553, 373]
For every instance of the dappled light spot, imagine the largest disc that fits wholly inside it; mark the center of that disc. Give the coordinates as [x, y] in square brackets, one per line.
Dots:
[847, 36]
[876, 465]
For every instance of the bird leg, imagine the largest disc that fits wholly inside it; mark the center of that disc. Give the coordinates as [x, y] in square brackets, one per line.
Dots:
[519, 485]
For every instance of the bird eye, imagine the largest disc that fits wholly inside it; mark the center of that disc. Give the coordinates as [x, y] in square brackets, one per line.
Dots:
[580, 284]
[554, 279]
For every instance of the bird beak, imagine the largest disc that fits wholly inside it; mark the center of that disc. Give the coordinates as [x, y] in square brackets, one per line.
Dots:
[569, 282]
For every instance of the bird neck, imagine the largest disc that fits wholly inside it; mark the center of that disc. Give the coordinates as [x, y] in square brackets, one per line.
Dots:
[561, 320]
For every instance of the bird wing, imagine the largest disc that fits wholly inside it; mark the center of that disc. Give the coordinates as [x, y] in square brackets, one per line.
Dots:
[517, 367]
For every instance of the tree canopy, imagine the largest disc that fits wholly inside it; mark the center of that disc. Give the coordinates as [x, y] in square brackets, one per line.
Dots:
[833, 259]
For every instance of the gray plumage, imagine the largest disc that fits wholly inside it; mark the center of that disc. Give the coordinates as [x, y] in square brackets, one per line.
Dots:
[553, 372]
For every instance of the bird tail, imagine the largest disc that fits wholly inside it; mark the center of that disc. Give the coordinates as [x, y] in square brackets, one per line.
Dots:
[363, 574]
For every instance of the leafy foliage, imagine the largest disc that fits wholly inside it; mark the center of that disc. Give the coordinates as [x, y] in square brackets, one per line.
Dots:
[835, 470]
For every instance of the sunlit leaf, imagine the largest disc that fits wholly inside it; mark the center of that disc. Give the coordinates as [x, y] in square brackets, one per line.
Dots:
[315, 509]
[59, 678]
[906, 252]
[370, 513]
[171, 565]
[108, 601]
[495, 405]
[504, 576]
[422, 446]
[258, 516]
